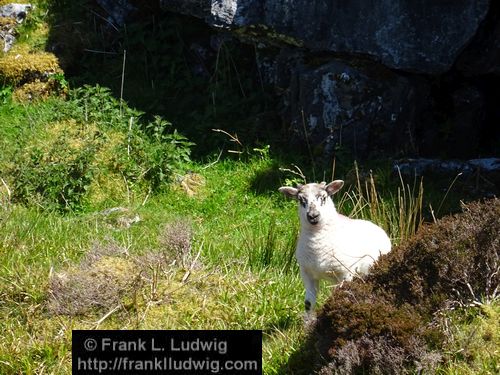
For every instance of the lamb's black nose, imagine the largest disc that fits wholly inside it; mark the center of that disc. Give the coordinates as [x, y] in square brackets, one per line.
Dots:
[313, 217]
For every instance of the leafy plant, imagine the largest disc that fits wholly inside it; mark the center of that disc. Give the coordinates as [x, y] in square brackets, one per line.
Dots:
[95, 143]
[153, 154]
[56, 170]
[166, 152]
[5, 94]
[98, 104]
[61, 81]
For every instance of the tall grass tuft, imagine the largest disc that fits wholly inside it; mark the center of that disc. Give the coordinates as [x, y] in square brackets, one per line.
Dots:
[400, 214]
[269, 244]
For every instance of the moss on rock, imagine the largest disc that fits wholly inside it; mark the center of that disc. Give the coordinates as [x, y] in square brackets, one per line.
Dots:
[5, 2]
[21, 65]
[38, 91]
[7, 22]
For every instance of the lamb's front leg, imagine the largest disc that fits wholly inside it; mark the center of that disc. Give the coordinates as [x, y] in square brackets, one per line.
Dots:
[311, 286]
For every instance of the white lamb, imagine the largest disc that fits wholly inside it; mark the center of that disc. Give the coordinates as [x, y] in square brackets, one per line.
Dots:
[332, 246]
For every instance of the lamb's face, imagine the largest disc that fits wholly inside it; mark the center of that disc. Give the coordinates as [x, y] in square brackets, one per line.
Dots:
[314, 200]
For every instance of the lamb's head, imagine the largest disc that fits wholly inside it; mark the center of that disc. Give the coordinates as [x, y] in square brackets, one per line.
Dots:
[315, 203]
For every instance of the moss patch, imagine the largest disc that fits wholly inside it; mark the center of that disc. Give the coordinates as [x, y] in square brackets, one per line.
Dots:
[5, 2]
[21, 65]
[7, 23]
[472, 344]
[37, 91]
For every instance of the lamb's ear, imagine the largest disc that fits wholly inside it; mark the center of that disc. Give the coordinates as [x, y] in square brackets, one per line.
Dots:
[334, 186]
[290, 192]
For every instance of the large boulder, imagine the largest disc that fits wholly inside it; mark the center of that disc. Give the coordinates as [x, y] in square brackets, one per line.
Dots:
[358, 107]
[424, 36]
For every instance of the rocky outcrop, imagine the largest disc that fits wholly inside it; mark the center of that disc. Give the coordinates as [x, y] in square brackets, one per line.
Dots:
[359, 108]
[116, 10]
[392, 76]
[483, 54]
[424, 37]
[14, 10]
[481, 175]
[10, 16]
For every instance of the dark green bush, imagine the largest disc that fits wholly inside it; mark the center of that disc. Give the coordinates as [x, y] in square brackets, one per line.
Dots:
[55, 170]
[158, 152]
[95, 147]
[97, 104]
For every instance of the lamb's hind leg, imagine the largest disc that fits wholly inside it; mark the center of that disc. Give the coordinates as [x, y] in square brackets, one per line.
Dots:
[311, 286]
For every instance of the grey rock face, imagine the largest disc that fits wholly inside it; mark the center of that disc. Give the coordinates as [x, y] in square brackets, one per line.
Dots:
[457, 129]
[18, 13]
[366, 107]
[423, 36]
[117, 10]
[195, 8]
[486, 171]
[420, 167]
[468, 116]
[359, 108]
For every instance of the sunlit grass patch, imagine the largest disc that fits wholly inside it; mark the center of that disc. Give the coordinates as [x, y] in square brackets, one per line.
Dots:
[472, 340]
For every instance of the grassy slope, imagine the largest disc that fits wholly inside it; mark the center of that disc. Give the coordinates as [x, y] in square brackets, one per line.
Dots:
[243, 230]
[247, 280]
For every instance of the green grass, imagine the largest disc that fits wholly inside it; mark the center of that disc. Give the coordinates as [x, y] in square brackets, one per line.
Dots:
[243, 231]
[473, 335]
[247, 280]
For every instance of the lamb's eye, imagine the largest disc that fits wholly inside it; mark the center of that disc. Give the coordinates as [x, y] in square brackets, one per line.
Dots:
[322, 199]
[303, 201]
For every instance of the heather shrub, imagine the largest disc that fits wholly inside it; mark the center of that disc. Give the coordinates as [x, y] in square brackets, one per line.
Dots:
[454, 260]
[108, 277]
[175, 240]
[100, 282]
[386, 323]
[361, 329]
[381, 356]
